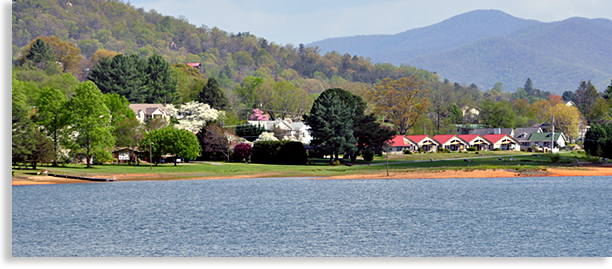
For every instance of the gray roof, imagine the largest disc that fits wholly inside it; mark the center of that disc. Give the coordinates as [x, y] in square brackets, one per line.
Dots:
[486, 131]
[527, 131]
[269, 125]
[147, 108]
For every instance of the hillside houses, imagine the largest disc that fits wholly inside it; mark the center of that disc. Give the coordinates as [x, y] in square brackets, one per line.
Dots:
[144, 112]
[287, 129]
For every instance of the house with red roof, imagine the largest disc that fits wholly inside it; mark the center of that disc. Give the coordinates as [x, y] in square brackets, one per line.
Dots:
[477, 141]
[399, 143]
[451, 142]
[503, 142]
[425, 142]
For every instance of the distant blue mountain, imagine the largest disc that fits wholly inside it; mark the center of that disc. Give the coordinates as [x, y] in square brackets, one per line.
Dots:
[486, 46]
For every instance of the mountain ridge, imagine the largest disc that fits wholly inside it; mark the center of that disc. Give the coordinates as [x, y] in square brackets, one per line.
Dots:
[556, 54]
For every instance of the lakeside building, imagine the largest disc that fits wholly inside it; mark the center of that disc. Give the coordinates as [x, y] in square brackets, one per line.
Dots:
[476, 141]
[503, 142]
[544, 140]
[425, 142]
[451, 142]
[399, 143]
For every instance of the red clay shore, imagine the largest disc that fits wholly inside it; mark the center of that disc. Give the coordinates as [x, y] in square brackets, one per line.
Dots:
[490, 173]
[550, 172]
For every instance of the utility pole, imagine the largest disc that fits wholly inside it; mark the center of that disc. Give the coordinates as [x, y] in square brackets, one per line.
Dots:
[150, 156]
[552, 138]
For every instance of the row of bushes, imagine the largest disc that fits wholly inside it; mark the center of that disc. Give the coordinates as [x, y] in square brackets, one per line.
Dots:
[279, 152]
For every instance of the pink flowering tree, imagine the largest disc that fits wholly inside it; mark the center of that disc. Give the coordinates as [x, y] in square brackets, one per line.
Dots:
[259, 115]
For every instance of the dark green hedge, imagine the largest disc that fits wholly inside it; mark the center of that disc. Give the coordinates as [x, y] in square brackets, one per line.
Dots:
[279, 152]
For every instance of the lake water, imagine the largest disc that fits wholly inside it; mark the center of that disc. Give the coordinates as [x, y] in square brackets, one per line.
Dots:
[569, 216]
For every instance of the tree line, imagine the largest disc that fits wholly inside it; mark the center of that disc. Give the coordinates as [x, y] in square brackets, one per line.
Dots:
[140, 56]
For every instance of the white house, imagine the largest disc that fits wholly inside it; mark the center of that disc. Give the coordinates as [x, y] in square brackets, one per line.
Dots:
[452, 142]
[288, 130]
[425, 142]
[399, 143]
[503, 142]
[144, 112]
[477, 141]
[544, 139]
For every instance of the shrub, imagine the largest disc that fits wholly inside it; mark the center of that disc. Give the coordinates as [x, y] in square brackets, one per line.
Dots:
[471, 149]
[523, 150]
[421, 150]
[368, 154]
[278, 152]
[555, 158]
[337, 162]
[407, 151]
[292, 152]
[496, 149]
[476, 152]
[242, 152]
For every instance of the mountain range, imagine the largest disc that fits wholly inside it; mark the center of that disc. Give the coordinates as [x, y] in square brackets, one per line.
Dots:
[489, 46]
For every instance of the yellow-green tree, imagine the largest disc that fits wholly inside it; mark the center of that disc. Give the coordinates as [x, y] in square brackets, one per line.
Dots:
[567, 119]
[402, 101]
[66, 53]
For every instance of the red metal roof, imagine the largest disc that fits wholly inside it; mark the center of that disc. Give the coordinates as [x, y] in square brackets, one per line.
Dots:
[443, 138]
[469, 137]
[416, 138]
[494, 138]
[193, 64]
[397, 141]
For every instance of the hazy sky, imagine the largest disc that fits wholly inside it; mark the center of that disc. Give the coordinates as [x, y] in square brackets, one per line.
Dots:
[299, 21]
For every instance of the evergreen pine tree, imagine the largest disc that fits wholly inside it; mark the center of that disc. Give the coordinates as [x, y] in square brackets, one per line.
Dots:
[213, 95]
[123, 75]
[39, 55]
[331, 123]
[608, 92]
[160, 82]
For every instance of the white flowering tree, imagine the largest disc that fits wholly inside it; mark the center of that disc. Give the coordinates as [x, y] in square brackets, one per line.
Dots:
[193, 115]
[266, 136]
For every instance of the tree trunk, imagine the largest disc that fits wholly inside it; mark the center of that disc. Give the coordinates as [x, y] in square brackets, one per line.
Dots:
[174, 161]
[34, 165]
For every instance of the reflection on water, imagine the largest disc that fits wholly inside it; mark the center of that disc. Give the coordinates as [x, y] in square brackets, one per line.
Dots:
[305, 217]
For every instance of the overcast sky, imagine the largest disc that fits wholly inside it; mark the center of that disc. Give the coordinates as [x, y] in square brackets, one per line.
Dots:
[300, 21]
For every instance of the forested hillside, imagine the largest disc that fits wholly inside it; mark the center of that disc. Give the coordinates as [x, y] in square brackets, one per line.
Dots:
[117, 27]
[488, 46]
[142, 56]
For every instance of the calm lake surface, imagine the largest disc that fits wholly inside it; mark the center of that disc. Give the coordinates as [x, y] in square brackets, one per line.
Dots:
[569, 216]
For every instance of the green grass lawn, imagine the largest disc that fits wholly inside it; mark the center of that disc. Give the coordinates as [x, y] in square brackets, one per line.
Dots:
[414, 162]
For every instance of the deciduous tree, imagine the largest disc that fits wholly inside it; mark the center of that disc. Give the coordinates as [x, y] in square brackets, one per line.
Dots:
[402, 101]
[567, 119]
[193, 116]
[497, 115]
[90, 120]
[22, 126]
[53, 116]
[66, 53]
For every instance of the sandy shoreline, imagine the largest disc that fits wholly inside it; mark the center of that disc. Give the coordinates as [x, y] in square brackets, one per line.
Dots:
[490, 173]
